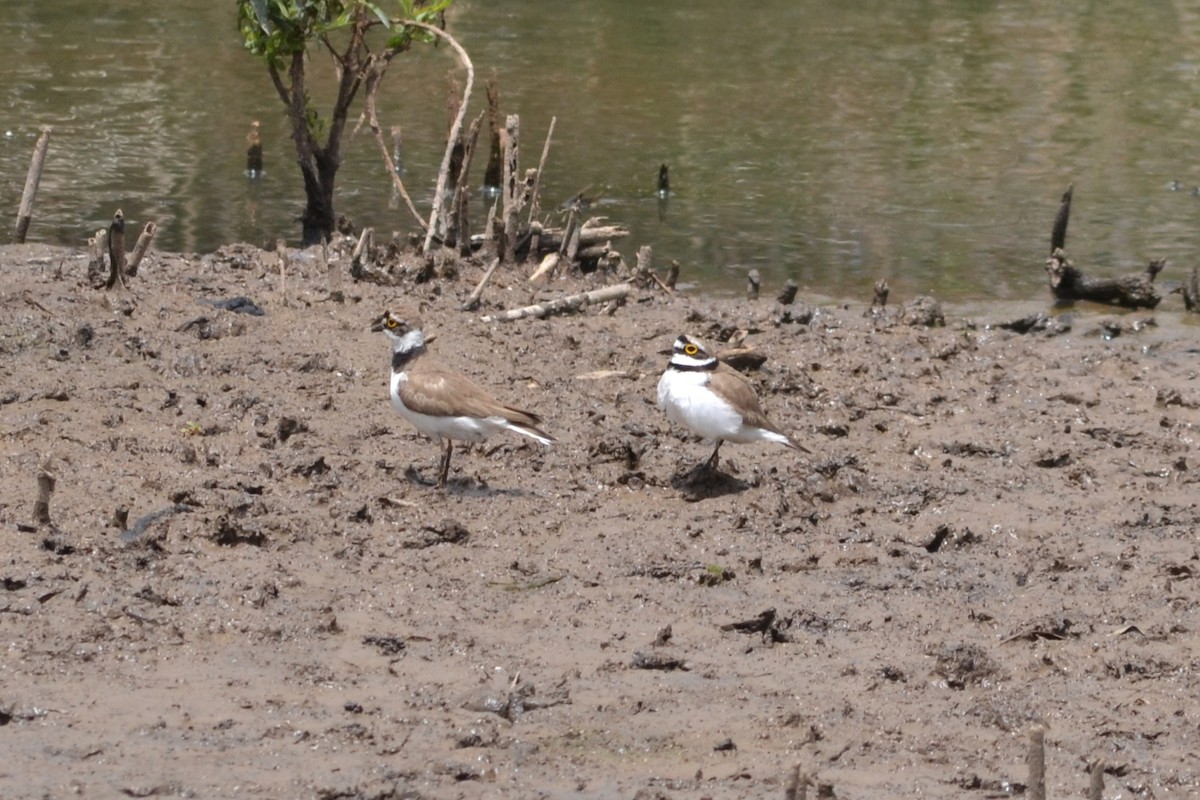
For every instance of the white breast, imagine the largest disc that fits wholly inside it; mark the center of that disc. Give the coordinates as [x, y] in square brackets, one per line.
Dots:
[686, 399]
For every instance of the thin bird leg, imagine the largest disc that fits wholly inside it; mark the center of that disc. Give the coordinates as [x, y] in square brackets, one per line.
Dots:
[445, 465]
[714, 459]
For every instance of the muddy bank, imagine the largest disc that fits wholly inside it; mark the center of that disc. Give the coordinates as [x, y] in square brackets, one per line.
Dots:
[995, 530]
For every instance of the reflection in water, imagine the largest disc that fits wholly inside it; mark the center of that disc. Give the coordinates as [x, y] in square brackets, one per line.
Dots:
[833, 143]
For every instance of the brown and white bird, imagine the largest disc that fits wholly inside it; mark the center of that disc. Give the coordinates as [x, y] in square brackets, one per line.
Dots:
[714, 401]
[441, 403]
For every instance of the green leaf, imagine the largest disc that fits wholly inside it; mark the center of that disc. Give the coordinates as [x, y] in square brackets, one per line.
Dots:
[383, 18]
[264, 19]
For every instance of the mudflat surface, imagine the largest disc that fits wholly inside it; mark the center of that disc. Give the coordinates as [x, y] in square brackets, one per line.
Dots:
[995, 531]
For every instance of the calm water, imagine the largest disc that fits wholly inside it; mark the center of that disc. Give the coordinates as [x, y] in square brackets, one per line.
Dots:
[832, 142]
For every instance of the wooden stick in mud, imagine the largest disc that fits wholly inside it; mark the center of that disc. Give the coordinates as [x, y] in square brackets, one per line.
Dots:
[116, 251]
[140, 248]
[1069, 283]
[494, 174]
[461, 206]
[534, 199]
[797, 785]
[32, 179]
[1096, 786]
[473, 299]
[281, 252]
[571, 303]
[510, 195]
[1036, 760]
[45, 482]
[568, 246]
[97, 253]
[1058, 233]
[439, 194]
[1191, 291]
[881, 294]
[362, 252]
[644, 270]
[787, 295]
[545, 270]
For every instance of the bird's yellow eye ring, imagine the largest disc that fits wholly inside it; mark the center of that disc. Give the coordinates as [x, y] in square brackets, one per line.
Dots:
[391, 323]
[691, 349]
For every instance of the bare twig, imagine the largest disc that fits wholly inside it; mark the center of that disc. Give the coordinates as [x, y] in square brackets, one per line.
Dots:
[535, 197]
[443, 172]
[371, 89]
[473, 300]
[571, 303]
[32, 179]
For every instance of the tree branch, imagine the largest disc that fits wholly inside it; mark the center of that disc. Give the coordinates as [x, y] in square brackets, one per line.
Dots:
[443, 173]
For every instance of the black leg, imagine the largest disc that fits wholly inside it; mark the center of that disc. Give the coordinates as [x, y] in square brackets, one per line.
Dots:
[445, 466]
[715, 458]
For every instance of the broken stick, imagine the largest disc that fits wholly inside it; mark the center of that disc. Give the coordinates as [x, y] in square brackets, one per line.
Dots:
[32, 179]
[571, 303]
[1036, 761]
[473, 299]
[45, 482]
[1070, 283]
[116, 251]
[140, 248]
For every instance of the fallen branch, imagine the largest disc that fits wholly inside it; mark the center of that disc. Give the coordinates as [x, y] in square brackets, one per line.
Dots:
[545, 270]
[571, 303]
[32, 179]
[1128, 291]
[1070, 283]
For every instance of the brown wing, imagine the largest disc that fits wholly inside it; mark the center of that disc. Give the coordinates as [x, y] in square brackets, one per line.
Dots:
[441, 393]
[733, 386]
[730, 384]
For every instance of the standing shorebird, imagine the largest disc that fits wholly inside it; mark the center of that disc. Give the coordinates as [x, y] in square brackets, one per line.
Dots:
[714, 401]
[441, 403]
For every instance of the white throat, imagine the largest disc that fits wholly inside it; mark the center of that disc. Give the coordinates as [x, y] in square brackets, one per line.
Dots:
[409, 342]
